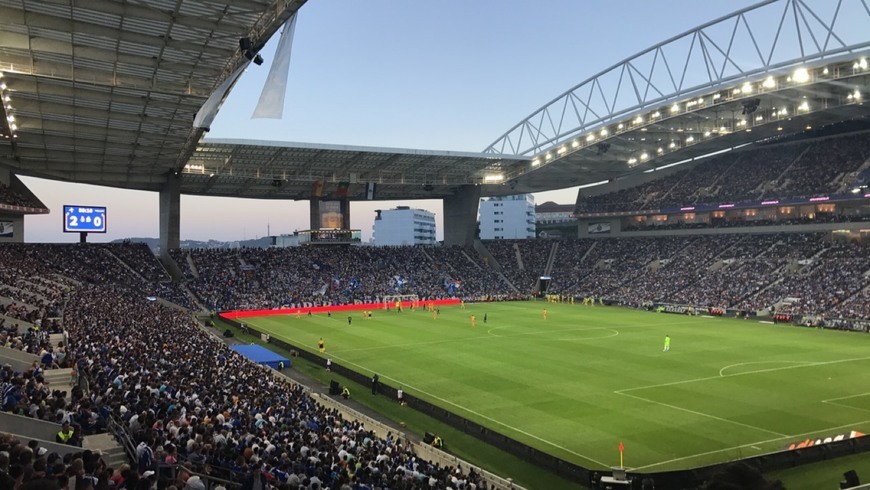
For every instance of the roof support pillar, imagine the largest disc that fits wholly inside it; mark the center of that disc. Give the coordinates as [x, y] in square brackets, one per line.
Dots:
[170, 214]
[460, 216]
[314, 216]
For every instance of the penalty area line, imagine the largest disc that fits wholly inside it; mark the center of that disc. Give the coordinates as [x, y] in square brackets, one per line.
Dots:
[702, 414]
[751, 445]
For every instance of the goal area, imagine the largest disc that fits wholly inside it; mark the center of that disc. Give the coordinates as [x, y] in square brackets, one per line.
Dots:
[405, 299]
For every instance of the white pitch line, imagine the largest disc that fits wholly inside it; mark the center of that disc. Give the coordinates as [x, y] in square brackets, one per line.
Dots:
[468, 410]
[833, 401]
[702, 414]
[756, 448]
[584, 339]
[722, 371]
[845, 397]
[745, 373]
[751, 444]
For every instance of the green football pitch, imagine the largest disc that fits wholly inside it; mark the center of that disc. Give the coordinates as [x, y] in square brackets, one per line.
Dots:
[584, 379]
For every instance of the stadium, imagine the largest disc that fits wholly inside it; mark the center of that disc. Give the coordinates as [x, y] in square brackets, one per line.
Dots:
[701, 323]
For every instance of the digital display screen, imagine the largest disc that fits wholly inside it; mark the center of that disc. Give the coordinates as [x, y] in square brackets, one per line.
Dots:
[89, 219]
[331, 216]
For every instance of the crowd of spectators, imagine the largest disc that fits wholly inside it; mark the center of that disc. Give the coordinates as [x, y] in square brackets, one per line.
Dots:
[741, 222]
[820, 169]
[794, 169]
[186, 397]
[511, 253]
[275, 277]
[744, 272]
[13, 197]
[31, 466]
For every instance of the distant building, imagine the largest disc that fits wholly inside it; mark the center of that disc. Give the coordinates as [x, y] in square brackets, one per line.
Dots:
[404, 226]
[550, 213]
[294, 240]
[507, 217]
[555, 220]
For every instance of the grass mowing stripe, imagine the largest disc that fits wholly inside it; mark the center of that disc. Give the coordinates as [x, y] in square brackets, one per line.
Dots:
[751, 444]
[701, 414]
[465, 409]
[546, 379]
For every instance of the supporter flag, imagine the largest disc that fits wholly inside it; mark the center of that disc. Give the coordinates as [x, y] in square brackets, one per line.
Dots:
[317, 188]
[151, 298]
[322, 290]
[354, 283]
[370, 191]
[336, 282]
[342, 189]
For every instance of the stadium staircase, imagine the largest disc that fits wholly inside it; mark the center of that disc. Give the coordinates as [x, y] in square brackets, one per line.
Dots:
[193, 297]
[588, 251]
[780, 180]
[551, 259]
[193, 269]
[133, 271]
[491, 263]
[520, 265]
[847, 180]
[57, 379]
[724, 173]
[172, 268]
[484, 252]
[655, 197]
[112, 452]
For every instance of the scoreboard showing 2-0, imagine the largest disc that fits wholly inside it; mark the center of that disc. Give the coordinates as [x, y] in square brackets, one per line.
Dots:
[84, 219]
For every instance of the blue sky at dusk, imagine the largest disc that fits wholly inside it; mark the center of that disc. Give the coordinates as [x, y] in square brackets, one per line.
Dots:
[447, 75]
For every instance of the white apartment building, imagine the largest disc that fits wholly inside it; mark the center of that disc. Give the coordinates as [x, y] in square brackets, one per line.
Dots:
[507, 217]
[404, 226]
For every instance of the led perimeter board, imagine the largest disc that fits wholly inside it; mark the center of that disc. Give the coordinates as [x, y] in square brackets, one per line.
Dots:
[84, 219]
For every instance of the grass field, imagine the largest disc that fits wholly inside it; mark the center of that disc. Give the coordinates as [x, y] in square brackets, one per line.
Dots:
[587, 378]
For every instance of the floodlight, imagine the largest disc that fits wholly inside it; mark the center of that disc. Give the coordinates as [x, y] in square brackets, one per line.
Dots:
[769, 83]
[801, 75]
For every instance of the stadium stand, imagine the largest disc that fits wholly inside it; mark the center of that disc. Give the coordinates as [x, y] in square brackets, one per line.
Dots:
[791, 169]
[12, 197]
[186, 397]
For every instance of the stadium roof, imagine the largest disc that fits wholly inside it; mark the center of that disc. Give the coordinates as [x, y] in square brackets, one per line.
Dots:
[280, 170]
[106, 93]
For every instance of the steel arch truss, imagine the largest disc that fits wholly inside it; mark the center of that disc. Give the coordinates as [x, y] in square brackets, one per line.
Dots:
[766, 37]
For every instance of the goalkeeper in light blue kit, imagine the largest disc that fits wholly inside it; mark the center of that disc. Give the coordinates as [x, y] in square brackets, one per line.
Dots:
[667, 343]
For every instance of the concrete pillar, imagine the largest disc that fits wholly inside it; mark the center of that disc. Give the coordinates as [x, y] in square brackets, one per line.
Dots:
[345, 214]
[460, 216]
[170, 215]
[314, 220]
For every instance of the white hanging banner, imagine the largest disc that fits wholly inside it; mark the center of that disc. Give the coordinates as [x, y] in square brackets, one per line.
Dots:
[209, 109]
[271, 104]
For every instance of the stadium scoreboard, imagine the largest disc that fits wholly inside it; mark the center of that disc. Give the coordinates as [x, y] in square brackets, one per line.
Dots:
[84, 219]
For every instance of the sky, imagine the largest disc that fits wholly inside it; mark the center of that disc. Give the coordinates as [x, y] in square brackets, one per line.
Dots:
[450, 75]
